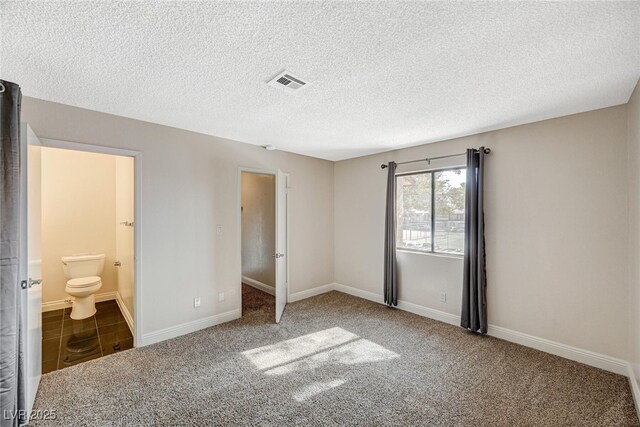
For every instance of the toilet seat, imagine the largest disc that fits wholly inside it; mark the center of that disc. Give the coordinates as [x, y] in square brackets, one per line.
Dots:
[83, 282]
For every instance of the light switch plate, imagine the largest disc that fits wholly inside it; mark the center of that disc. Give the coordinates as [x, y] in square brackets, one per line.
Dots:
[219, 230]
[221, 296]
[196, 302]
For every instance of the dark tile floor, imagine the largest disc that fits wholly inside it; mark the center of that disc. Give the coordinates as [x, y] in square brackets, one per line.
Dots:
[67, 342]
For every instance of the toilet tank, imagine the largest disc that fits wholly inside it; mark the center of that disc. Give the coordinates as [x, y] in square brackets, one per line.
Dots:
[82, 265]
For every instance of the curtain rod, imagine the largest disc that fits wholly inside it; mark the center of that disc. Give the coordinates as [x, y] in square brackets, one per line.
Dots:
[428, 159]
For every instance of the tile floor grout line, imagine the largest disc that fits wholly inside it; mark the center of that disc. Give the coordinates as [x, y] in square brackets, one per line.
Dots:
[60, 342]
[95, 320]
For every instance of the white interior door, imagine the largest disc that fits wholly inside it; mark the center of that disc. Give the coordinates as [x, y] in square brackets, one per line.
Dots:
[31, 260]
[281, 244]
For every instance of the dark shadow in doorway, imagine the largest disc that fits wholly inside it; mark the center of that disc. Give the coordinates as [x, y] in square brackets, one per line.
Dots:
[257, 303]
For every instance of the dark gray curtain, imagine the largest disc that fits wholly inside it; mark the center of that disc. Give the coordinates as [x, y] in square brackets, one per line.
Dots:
[12, 363]
[390, 268]
[474, 295]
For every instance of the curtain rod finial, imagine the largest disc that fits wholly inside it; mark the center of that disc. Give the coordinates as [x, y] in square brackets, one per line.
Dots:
[487, 150]
[383, 166]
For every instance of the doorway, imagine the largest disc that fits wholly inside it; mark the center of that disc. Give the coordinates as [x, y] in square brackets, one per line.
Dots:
[263, 230]
[34, 189]
[87, 254]
[258, 222]
[83, 240]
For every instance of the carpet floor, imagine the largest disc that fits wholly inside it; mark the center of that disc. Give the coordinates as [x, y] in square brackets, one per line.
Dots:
[335, 360]
[256, 300]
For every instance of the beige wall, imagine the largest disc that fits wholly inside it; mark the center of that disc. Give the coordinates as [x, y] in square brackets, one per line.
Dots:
[259, 227]
[556, 230]
[633, 123]
[124, 206]
[78, 215]
[189, 184]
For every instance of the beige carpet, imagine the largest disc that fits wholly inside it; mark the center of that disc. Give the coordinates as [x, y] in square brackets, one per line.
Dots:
[335, 360]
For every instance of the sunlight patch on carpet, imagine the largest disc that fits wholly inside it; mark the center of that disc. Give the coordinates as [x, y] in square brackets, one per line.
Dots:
[316, 388]
[327, 347]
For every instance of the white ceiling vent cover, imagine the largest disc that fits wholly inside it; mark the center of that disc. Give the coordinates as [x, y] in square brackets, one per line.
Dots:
[287, 82]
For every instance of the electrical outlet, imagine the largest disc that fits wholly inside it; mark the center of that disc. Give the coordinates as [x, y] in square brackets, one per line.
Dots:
[221, 296]
[443, 297]
[219, 230]
[196, 302]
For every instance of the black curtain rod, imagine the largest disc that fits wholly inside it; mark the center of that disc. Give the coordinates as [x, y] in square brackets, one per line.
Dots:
[428, 159]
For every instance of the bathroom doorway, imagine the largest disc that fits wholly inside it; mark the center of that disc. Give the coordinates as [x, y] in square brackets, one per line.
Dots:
[263, 219]
[87, 205]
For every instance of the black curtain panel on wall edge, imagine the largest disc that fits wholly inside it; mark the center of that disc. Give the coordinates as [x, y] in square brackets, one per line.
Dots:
[474, 296]
[390, 267]
[12, 360]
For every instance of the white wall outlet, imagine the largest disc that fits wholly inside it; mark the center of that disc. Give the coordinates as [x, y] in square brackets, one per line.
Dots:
[443, 297]
[196, 302]
[221, 296]
[219, 230]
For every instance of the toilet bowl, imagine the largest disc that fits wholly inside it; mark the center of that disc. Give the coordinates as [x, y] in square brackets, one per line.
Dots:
[84, 273]
[83, 292]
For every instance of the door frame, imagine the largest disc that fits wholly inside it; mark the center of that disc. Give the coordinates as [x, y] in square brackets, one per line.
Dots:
[137, 210]
[32, 338]
[274, 173]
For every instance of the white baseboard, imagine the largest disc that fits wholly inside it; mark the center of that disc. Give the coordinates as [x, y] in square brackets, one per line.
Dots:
[125, 313]
[402, 305]
[259, 285]
[587, 357]
[196, 325]
[635, 387]
[64, 303]
[297, 296]
[188, 327]
[358, 293]
[431, 313]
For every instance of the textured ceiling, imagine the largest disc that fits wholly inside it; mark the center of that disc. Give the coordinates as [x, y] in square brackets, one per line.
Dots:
[384, 75]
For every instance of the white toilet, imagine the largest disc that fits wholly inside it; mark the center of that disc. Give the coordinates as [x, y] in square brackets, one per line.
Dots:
[84, 272]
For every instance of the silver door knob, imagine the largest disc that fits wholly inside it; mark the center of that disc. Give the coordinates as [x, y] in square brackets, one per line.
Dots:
[34, 282]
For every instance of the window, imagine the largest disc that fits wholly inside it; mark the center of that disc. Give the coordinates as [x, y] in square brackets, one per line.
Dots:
[430, 209]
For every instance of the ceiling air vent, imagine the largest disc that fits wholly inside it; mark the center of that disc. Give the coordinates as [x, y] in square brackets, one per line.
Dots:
[287, 82]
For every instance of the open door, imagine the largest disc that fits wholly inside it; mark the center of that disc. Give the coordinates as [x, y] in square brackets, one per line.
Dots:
[31, 264]
[281, 244]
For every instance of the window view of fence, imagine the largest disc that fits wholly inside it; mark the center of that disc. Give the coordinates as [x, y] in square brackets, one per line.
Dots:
[430, 209]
